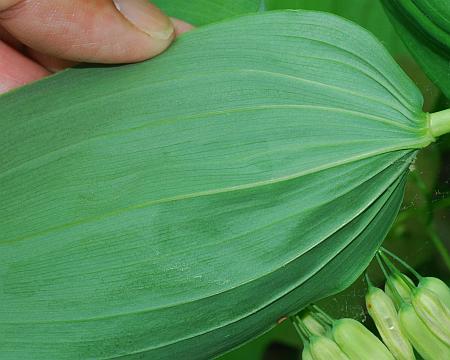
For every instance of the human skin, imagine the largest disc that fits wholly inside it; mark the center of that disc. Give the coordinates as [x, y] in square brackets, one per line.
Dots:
[40, 37]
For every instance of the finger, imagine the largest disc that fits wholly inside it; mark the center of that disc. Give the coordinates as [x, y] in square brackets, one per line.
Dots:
[11, 41]
[51, 63]
[16, 69]
[55, 64]
[103, 31]
[180, 26]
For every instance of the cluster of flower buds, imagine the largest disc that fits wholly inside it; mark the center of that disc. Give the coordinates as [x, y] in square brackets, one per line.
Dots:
[325, 338]
[408, 318]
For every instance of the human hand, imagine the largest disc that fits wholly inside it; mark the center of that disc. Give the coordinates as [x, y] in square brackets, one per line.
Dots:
[39, 37]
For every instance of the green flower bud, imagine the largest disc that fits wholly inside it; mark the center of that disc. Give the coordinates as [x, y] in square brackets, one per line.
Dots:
[401, 286]
[420, 336]
[315, 327]
[438, 287]
[323, 348]
[306, 353]
[358, 342]
[433, 313]
[383, 312]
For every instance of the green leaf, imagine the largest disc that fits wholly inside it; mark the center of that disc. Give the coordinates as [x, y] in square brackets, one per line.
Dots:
[367, 13]
[180, 206]
[201, 12]
[424, 26]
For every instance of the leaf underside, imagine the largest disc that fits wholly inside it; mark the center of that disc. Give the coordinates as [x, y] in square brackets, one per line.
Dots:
[181, 206]
[367, 13]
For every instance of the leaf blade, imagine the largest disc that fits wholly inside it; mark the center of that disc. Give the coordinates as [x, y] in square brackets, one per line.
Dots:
[224, 196]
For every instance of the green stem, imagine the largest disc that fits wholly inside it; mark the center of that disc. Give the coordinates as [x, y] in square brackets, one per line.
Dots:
[325, 316]
[402, 262]
[396, 272]
[397, 298]
[430, 207]
[368, 281]
[439, 244]
[299, 332]
[326, 325]
[440, 123]
[301, 329]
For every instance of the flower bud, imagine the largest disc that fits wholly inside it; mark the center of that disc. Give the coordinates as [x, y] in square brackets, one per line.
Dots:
[306, 353]
[383, 312]
[357, 342]
[323, 348]
[400, 286]
[314, 327]
[420, 336]
[433, 313]
[439, 287]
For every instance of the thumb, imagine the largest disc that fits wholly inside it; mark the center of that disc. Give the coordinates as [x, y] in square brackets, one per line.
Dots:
[105, 31]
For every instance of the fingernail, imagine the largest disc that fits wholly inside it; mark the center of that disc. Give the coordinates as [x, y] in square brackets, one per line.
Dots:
[146, 17]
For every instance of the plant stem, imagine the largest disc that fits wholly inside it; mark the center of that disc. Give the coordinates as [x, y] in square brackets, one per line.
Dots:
[439, 123]
[301, 329]
[402, 262]
[430, 207]
[439, 244]
[396, 272]
[300, 333]
[325, 316]
[319, 318]
[368, 281]
[397, 298]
